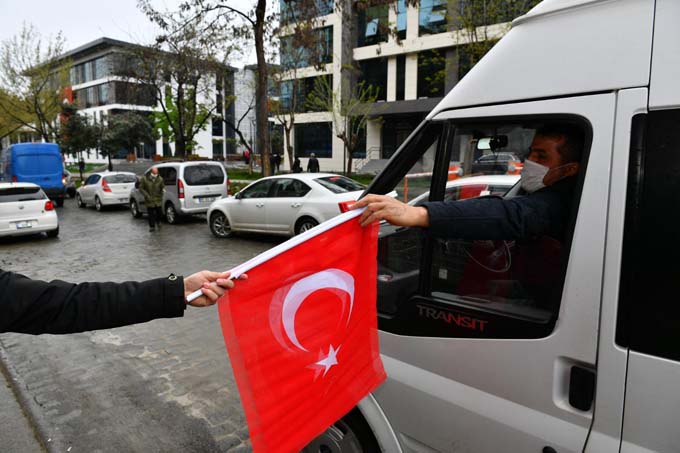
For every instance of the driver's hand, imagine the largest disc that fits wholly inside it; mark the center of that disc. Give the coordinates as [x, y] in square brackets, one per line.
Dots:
[383, 207]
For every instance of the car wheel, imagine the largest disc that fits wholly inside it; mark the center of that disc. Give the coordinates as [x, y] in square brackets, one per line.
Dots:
[219, 225]
[98, 204]
[134, 209]
[350, 434]
[304, 224]
[79, 201]
[53, 233]
[60, 202]
[171, 214]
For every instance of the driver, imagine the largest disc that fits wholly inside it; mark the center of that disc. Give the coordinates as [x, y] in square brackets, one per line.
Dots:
[547, 178]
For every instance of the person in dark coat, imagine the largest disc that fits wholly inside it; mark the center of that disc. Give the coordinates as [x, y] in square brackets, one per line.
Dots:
[547, 178]
[277, 161]
[297, 166]
[57, 307]
[152, 187]
[313, 164]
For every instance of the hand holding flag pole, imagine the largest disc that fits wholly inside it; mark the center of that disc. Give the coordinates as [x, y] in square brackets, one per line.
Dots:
[241, 269]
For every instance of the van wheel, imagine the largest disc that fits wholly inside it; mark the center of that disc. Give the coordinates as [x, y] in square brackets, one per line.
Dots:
[98, 204]
[350, 434]
[171, 214]
[79, 201]
[304, 224]
[219, 225]
[134, 209]
[53, 233]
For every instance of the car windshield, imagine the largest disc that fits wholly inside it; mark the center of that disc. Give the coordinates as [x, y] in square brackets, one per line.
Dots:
[340, 184]
[203, 175]
[13, 194]
[120, 179]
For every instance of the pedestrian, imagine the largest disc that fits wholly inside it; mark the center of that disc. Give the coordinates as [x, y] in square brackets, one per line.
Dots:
[37, 307]
[246, 156]
[152, 187]
[313, 164]
[297, 166]
[277, 161]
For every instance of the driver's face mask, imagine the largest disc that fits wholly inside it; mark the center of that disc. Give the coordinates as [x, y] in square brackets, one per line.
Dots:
[532, 176]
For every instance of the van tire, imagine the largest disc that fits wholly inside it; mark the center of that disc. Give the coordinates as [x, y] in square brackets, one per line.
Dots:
[350, 434]
[305, 223]
[171, 215]
[134, 209]
[219, 225]
[80, 202]
[98, 204]
[53, 233]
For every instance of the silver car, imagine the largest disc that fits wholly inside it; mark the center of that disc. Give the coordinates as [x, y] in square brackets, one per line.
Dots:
[190, 188]
[106, 189]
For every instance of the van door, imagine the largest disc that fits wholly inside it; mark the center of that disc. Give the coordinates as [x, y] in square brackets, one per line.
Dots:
[648, 321]
[491, 345]
[203, 184]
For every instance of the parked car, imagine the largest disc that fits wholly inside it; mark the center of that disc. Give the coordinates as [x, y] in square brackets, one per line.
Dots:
[38, 163]
[26, 209]
[474, 186]
[69, 183]
[283, 204]
[190, 187]
[106, 189]
[497, 164]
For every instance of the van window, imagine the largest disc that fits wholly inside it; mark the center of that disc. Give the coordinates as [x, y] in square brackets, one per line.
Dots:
[169, 175]
[11, 194]
[203, 175]
[488, 275]
[649, 314]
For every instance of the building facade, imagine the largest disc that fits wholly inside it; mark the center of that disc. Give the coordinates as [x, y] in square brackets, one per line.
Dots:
[101, 87]
[412, 53]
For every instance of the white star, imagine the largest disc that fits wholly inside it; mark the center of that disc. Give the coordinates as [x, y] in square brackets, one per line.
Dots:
[330, 360]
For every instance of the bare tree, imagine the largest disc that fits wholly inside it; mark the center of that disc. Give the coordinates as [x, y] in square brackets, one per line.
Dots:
[350, 106]
[30, 69]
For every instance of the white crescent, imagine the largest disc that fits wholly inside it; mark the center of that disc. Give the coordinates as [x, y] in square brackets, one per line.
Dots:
[329, 278]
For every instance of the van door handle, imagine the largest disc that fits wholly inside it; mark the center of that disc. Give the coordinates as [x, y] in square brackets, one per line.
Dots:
[581, 388]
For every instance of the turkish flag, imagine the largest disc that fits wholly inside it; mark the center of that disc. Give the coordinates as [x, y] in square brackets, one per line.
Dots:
[302, 333]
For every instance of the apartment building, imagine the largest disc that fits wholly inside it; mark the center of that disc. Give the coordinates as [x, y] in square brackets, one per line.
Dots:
[101, 86]
[413, 53]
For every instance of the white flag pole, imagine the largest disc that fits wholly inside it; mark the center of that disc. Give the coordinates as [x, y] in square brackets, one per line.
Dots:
[285, 246]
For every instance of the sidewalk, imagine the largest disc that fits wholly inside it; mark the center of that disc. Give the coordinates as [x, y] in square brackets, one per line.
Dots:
[16, 435]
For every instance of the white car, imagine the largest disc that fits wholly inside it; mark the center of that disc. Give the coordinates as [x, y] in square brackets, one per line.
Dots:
[283, 204]
[473, 186]
[106, 189]
[25, 209]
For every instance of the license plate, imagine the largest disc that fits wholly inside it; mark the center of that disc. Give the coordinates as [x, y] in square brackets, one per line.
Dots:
[25, 224]
[206, 199]
[122, 200]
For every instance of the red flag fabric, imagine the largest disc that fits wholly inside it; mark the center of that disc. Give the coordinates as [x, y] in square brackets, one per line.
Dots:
[302, 335]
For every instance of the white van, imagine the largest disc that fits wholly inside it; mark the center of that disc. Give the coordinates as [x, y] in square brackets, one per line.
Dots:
[581, 351]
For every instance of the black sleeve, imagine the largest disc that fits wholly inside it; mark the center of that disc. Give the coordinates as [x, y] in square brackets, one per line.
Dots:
[494, 218]
[57, 307]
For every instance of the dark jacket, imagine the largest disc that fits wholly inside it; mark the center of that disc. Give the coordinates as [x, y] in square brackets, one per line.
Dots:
[544, 212]
[57, 307]
[152, 189]
[313, 165]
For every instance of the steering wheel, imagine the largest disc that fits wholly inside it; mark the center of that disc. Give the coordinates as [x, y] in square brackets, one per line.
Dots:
[493, 256]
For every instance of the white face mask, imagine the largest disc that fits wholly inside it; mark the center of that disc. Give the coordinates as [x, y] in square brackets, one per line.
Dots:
[154, 175]
[532, 176]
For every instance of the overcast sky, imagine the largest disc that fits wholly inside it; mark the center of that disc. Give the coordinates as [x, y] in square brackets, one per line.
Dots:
[82, 21]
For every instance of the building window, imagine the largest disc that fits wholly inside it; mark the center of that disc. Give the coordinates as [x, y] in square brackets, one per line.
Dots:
[374, 73]
[295, 53]
[401, 18]
[217, 126]
[401, 77]
[432, 17]
[218, 149]
[292, 10]
[373, 25]
[304, 87]
[313, 138]
[431, 73]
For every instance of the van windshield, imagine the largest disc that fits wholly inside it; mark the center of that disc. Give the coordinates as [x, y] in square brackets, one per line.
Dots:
[120, 179]
[13, 194]
[203, 175]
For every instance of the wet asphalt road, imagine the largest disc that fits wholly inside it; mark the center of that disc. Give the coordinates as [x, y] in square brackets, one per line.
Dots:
[163, 386]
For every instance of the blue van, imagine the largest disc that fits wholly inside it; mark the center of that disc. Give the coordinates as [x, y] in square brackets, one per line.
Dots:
[39, 163]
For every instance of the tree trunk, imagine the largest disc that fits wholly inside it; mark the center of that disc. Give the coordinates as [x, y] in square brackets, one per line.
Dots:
[289, 149]
[261, 89]
[180, 148]
[349, 162]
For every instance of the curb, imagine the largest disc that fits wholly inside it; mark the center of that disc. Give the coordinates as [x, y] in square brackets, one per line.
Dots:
[27, 405]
